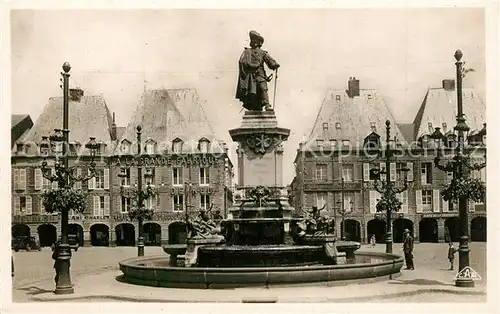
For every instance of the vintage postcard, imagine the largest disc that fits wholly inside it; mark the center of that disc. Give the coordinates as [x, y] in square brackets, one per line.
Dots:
[249, 156]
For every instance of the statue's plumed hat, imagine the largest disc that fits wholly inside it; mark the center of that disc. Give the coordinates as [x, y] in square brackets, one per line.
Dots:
[256, 36]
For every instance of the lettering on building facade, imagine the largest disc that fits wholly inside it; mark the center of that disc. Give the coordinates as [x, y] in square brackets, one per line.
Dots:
[160, 161]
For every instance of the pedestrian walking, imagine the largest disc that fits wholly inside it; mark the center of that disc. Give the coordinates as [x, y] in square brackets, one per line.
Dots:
[451, 254]
[373, 241]
[408, 249]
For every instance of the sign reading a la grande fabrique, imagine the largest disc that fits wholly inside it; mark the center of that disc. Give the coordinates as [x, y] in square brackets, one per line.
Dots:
[167, 160]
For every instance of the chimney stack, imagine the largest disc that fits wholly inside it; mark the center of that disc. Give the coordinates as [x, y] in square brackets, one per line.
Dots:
[353, 87]
[113, 129]
[75, 94]
[449, 84]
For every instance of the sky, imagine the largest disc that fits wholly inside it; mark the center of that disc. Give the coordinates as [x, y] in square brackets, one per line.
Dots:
[119, 53]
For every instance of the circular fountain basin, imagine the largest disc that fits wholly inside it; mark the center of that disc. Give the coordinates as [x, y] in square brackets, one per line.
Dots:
[155, 271]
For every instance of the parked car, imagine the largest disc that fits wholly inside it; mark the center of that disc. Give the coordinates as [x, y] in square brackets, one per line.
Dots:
[73, 241]
[25, 243]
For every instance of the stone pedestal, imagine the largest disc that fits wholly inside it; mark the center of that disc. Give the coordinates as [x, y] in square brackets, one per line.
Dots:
[191, 255]
[260, 154]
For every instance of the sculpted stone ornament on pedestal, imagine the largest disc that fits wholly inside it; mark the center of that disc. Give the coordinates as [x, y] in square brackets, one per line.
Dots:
[260, 144]
[260, 195]
[317, 229]
[202, 230]
[252, 78]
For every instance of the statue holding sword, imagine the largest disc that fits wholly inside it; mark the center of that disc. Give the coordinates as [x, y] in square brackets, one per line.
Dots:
[252, 79]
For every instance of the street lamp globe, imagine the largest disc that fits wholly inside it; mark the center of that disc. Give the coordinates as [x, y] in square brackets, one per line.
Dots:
[66, 67]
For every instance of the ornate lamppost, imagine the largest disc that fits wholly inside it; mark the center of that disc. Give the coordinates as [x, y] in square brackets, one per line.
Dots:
[138, 210]
[58, 144]
[388, 189]
[462, 187]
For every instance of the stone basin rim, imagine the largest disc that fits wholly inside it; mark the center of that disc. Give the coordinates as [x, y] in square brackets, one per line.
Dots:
[131, 262]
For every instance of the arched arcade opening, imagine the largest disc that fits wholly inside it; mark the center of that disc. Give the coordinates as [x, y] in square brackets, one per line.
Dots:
[125, 234]
[376, 227]
[398, 227]
[99, 235]
[77, 230]
[478, 229]
[177, 233]
[152, 234]
[352, 230]
[20, 230]
[452, 229]
[47, 234]
[427, 230]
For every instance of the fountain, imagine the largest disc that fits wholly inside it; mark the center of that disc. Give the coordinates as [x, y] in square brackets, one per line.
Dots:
[263, 241]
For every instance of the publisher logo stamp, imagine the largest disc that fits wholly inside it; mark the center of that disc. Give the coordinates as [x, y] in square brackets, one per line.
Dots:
[467, 273]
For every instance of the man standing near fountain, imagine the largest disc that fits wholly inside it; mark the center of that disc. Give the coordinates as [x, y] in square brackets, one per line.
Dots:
[408, 250]
[252, 79]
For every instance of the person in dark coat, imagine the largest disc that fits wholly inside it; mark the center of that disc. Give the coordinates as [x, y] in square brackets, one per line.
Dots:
[55, 254]
[252, 79]
[451, 254]
[408, 249]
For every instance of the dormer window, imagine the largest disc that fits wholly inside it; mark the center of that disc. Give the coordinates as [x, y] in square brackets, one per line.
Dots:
[319, 143]
[372, 141]
[425, 140]
[177, 146]
[369, 96]
[150, 147]
[346, 143]
[373, 126]
[450, 141]
[333, 143]
[325, 126]
[203, 145]
[19, 147]
[337, 126]
[125, 147]
[337, 97]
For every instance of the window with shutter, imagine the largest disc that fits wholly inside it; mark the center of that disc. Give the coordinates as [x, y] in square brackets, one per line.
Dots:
[91, 182]
[373, 202]
[106, 206]
[405, 202]
[15, 175]
[410, 172]
[22, 179]
[366, 172]
[42, 208]
[472, 206]
[106, 179]
[435, 201]
[17, 205]
[78, 184]
[55, 185]
[29, 205]
[392, 169]
[446, 206]
[38, 179]
[418, 201]
[97, 206]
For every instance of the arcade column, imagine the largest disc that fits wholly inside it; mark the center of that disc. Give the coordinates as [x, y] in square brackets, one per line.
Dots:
[441, 230]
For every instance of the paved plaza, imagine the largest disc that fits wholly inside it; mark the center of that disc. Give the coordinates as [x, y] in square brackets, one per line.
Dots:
[95, 271]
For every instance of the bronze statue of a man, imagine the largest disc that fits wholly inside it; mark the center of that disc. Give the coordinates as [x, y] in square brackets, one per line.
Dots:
[252, 79]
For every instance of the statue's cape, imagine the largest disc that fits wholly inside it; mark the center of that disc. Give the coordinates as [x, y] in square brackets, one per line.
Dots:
[252, 58]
